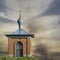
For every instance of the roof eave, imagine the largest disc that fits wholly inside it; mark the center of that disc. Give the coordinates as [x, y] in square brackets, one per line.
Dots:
[20, 35]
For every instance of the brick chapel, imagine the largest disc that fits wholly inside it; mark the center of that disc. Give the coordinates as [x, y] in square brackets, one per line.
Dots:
[19, 43]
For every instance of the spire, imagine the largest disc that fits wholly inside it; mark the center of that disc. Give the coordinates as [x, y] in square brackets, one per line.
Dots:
[19, 21]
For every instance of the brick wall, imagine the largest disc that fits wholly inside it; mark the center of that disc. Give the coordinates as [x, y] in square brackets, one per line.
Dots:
[26, 46]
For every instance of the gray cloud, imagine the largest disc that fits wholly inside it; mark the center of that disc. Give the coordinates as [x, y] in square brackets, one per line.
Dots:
[2, 5]
[53, 9]
[6, 20]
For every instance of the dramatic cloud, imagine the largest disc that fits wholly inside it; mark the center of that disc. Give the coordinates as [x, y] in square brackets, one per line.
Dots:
[41, 17]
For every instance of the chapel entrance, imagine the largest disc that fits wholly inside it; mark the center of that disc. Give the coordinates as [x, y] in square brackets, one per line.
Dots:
[19, 49]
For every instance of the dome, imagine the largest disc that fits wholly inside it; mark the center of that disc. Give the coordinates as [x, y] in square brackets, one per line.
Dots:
[20, 20]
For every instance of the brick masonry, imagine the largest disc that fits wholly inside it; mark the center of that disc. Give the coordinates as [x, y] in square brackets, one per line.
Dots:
[12, 48]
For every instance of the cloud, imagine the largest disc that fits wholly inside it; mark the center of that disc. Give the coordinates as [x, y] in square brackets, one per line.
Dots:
[29, 7]
[53, 9]
[5, 20]
[40, 16]
[2, 6]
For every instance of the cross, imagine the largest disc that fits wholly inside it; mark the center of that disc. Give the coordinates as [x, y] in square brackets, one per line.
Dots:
[19, 13]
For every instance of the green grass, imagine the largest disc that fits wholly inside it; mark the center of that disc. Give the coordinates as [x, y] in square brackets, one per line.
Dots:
[21, 58]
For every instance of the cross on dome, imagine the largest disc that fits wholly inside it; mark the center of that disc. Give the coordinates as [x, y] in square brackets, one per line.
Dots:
[20, 14]
[20, 21]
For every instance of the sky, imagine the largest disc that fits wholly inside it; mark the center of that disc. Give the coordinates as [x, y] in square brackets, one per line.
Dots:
[41, 17]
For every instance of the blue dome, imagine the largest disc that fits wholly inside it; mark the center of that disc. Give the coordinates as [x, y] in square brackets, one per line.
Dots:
[20, 20]
[20, 32]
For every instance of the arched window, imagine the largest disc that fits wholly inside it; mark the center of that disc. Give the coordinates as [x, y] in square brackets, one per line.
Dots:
[19, 49]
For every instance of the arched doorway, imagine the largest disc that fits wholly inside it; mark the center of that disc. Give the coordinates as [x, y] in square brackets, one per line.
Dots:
[19, 49]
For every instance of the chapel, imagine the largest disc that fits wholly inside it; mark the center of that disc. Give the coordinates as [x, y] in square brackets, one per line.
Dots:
[19, 43]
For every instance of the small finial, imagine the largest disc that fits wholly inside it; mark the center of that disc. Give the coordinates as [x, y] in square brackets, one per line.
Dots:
[19, 13]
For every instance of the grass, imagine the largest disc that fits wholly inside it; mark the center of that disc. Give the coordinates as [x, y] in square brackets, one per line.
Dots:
[15, 58]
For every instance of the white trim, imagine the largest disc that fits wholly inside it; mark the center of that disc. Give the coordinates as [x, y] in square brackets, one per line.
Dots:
[24, 55]
[11, 55]
[29, 55]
